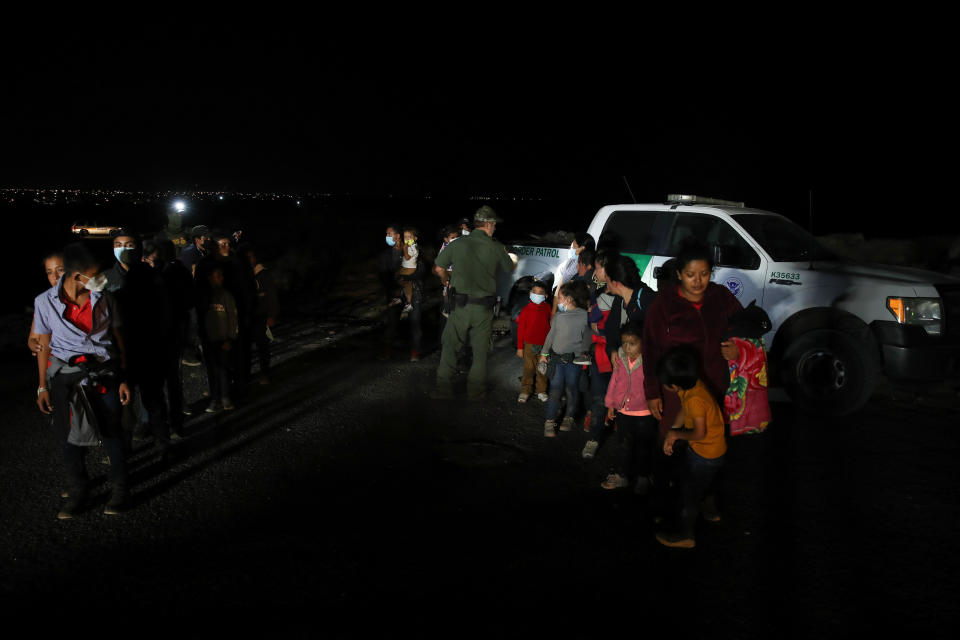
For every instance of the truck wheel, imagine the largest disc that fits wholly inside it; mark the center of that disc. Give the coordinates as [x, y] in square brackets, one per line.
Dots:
[829, 372]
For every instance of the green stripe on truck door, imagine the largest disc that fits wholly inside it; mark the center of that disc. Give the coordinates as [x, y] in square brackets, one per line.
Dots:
[641, 259]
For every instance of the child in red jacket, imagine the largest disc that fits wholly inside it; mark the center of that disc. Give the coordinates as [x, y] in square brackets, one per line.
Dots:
[533, 324]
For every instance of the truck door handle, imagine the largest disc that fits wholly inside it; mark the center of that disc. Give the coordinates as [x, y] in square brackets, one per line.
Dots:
[781, 281]
[656, 272]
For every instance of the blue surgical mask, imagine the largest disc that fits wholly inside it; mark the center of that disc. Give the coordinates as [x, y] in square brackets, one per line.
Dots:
[537, 298]
[390, 241]
[573, 253]
[561, 306]
[118, 254]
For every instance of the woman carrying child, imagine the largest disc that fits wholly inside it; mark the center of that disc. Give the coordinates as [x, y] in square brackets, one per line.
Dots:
[569, 339]
[408, 266]
[627, 404]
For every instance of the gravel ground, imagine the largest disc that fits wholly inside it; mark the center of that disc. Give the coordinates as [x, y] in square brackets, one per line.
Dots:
[341, 501]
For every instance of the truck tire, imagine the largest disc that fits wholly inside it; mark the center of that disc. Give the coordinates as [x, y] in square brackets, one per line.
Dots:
[830, 372]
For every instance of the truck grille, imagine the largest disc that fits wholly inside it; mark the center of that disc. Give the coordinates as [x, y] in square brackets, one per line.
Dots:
[950, 296]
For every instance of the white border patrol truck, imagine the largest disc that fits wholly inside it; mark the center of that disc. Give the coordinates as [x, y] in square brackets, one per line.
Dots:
[837, 325]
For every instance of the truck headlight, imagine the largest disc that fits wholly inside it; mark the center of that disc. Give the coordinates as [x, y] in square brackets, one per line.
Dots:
[924, 312]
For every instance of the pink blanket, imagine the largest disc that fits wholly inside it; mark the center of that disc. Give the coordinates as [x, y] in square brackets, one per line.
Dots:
[746, 401]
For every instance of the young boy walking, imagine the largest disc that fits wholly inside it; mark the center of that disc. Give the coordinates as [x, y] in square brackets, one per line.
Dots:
[700, 423]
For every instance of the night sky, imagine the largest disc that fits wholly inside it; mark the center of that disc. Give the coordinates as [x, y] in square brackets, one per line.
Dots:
[761, 114]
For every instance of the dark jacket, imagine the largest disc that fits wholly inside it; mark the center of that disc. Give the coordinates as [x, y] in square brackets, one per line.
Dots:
[267, 304]
[636, 310]
[672, 320]
[221, 317]
[180, 290]
[388, 262]
[145, 309]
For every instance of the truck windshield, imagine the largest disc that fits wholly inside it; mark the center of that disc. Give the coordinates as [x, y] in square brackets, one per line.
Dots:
[782, 239]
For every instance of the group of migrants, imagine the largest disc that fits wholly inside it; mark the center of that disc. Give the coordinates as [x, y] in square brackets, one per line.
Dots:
[670, 371]
[110, 343]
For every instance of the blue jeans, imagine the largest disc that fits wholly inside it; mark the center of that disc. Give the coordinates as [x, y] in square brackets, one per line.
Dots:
[566, 378]
[700, 473]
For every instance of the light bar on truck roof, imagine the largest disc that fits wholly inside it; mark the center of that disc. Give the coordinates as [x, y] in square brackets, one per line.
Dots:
[678, 198]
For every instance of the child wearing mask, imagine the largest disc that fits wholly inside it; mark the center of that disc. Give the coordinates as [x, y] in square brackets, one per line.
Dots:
[533, 324]
[408, 265]
[569, 336]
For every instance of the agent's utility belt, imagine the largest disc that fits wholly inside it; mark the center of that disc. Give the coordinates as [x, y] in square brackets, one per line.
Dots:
[463, 299]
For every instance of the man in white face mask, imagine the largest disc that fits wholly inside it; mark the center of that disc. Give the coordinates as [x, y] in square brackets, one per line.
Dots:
[76, 325]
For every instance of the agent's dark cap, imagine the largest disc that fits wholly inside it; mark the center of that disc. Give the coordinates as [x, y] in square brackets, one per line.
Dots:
[200, 230]
[486, 214]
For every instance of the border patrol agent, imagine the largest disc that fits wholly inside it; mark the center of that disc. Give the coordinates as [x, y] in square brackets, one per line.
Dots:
[473, 283]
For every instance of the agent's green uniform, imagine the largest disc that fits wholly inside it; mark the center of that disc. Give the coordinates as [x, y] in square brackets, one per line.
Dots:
[475, 259]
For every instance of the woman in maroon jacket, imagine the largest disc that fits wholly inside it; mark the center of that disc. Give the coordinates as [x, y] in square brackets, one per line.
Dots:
[692, 311]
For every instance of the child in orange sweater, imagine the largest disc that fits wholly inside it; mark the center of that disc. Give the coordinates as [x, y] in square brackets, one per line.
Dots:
[700, 423]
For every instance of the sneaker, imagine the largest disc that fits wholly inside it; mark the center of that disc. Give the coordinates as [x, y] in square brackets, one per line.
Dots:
[567, 424]
[583, 358]
[590, 449]
[676, 540]
[549, 428]
[117, 502]
[414, 356]
[542, 397]
[190, 361]
[228, 405]
[214, 407]
[523, 397]
[615, 481]
[407, 308]
[395, 302]
[709, 511]
[73, 506]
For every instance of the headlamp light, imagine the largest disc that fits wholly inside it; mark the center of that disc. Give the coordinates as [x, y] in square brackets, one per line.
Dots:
[924, 312]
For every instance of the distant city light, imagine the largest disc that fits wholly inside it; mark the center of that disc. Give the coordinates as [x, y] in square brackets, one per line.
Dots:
[221, 197]
[180, 206]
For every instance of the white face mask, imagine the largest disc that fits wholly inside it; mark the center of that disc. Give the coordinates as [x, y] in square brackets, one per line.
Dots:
[537, 298]
[464, 232]
[96, 283]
